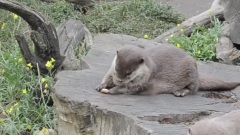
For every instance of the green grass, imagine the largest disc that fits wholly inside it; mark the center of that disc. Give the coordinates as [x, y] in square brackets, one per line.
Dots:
[18, 84]
[202, 42]
[134, 17]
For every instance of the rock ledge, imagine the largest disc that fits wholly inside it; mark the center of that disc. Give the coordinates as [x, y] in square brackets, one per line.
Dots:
[83, 111]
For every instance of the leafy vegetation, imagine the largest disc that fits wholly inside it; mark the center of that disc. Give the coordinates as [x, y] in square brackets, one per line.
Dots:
[201, 43]
[134, 17]
[18, 84]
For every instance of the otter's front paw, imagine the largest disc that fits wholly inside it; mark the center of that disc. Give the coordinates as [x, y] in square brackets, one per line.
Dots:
[181, 93]
[101, 86]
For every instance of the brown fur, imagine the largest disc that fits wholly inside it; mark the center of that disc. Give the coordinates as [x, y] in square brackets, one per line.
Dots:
[228, 124]
[160, 69]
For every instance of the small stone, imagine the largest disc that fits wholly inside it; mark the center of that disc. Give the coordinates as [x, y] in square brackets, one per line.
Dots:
[105, 91]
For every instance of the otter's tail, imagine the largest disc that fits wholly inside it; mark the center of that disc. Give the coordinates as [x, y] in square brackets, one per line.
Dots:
[208, 83]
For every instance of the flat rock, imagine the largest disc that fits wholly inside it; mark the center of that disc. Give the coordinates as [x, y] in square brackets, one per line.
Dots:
[84, 111]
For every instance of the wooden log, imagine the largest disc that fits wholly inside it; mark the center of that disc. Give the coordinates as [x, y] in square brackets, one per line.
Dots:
[43, 35]
[82, 3]
[204, 18]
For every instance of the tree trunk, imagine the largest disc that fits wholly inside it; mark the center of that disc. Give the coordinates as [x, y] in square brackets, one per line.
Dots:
[43, 35]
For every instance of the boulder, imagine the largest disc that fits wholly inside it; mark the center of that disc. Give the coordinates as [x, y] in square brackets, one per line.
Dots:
[84, 111]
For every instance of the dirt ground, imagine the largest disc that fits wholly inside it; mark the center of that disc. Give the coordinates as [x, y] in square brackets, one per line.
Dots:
[189, 7]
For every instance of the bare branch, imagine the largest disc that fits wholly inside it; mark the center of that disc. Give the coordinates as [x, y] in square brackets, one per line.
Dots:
[204, 18]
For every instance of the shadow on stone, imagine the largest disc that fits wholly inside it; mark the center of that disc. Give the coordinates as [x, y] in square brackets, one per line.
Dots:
[177, 118]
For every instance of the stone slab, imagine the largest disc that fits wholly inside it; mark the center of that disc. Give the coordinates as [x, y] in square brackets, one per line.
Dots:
[130, 114]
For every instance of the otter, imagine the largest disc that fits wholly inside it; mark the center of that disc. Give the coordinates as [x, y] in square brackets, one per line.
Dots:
[227, 124]
[160, 69]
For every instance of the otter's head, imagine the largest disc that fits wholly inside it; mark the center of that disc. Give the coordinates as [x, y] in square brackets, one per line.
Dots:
[129, 63]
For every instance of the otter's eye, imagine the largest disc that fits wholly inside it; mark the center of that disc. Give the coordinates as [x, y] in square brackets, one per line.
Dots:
[129, 73]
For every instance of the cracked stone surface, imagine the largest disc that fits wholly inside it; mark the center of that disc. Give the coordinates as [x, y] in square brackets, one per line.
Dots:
[83, 111]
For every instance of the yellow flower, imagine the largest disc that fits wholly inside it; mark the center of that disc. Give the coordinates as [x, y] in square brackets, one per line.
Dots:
[52, 60]
[10, 110]
[43, 80]
[172, 35]
[3, 25]
[178, 25]
[46, 85]
[24, 91]
[178, 45]
[45, 91]
[14, 16]
[16, 104]
[29, 127]
[146, 36]
[181, 30]
[3, 71]
[20, 60]
[29, 65]
[166, 39]
[1, 120]
[198, 52]
[44, 130]
[210, 11]
[49, 64]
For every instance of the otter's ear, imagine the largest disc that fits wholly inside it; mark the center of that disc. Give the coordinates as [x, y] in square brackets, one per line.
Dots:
[141, 61]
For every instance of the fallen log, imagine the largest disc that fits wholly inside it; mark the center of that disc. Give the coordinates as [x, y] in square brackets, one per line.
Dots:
[226, 11]
[204, 18]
